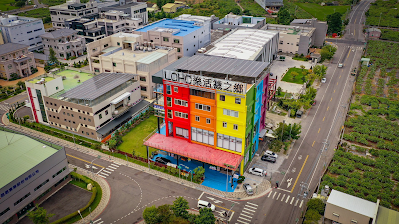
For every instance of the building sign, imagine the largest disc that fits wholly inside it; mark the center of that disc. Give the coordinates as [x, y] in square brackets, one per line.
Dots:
[158, 107]
[20, 183]
[207, 82]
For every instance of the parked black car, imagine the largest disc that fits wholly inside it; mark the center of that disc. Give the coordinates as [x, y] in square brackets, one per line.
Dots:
[162, 160]
[268, 158]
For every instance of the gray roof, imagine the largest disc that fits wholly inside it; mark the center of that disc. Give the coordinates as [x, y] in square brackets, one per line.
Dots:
[373, 29]
[10, 47]
[222, 65]
[352, 203]
[97, 86]
[59, 33]
[300, 21]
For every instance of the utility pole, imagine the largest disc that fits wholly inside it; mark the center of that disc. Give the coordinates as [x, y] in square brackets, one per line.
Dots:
[282, 131]
[379, 20]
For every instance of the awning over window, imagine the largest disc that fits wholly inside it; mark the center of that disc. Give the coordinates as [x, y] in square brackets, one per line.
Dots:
[120, 98]
[198, 152]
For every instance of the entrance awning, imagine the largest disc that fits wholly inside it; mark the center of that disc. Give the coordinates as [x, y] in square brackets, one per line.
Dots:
[120, 98]
[198, 152]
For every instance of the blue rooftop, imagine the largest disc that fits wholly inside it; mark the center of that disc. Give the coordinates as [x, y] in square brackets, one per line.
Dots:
[184, 26]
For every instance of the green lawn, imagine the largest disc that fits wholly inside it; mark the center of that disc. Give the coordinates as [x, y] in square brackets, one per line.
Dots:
[5, 5]
[300, 59]
[36, 13]
[298, 78]
[134, 138]
[321, 12]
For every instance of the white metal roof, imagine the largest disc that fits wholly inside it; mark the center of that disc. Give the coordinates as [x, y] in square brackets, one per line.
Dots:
[242, 44]
[120, 98]
[352, 203]
[152, 57]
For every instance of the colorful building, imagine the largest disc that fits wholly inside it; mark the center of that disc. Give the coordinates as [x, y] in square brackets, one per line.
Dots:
[213, 109]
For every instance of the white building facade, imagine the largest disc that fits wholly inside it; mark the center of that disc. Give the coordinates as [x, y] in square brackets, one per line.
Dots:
[72, 9]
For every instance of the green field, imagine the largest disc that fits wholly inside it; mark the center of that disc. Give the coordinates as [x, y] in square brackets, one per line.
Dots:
[383, 13]
[36, 13]
[321, 12]
[133, 140]
[5, 5]
[298, 79]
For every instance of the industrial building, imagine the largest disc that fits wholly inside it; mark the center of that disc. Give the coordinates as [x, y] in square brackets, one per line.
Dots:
[236, 21]
[319, 35]
[31, 171]
[82, 103]
[214, 109]
[126, 53]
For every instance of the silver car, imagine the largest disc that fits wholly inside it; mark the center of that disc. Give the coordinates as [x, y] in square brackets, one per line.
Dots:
[248, 189]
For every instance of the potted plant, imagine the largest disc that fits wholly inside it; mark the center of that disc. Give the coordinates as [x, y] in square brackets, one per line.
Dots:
[240, 179]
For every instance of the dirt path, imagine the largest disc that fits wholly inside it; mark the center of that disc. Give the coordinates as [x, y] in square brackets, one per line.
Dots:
[13, 83]
[242, 9]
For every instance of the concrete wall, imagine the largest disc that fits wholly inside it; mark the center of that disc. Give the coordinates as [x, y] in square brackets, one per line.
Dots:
[344, 216]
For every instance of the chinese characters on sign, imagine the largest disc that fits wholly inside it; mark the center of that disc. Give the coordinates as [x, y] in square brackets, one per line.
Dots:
[207, 82]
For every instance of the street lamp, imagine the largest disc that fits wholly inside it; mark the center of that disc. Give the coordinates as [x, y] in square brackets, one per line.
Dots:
[80, 214]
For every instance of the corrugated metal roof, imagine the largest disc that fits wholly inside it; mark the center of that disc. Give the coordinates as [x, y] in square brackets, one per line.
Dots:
[151, 58]
[352, 203]
[222, 65]
[97, 86]
[21, 155]
[387, 216]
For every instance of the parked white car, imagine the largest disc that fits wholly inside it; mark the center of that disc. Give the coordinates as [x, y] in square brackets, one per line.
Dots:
[205, 204]
[340, 65]
[270, 153]
[323, 80]
[257, 172]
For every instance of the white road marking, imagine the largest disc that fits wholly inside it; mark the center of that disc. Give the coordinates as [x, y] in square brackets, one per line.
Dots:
[118, 163]
[274, 195]
[201, 195]
[104, 174]
[97, 220]
[296, 202]
[278, 196]
[248, 212]
[250, 207]
[252, 204]
[101, 175]
[282, 198]
[292, 200]
[100, 170]
[107, 171]
[114, 165]
[242, 221]
[270, 194]
[100, 222]
[246, 215]
[288, 198]
[301, 204]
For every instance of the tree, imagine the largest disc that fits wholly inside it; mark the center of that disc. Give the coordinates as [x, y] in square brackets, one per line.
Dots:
[199, 173]
[290, 131]
[179, 207]
[150, 215]
[21, 84]
[319, 71]
[327, 52]
[236, 11]
[317, 205]
[39, 216]
[52, 58]
[302, 67]
[26, 117]
[312, 215]
[279, 91]
[165, 215]
[205, 217]
[112, 143]
[294, 74]
[284, 17]
[334, 23]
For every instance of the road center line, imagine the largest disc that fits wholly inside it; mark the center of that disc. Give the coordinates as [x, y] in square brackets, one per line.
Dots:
[328, 107]
[331, 99]
[313, 143]
[84, 160]
[334, 92]
[223, 208]
[318, 131]
[299, 173]
[324, 118]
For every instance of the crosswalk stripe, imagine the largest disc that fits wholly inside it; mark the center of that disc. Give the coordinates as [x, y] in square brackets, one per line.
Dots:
[242, 221]
[109, 169]
[270, 194]
[296, 202]
[247, 212]
[100, 222]
[118, 163]
[250, 207]
[97, 220]
[274, 195]
[292, 200]
[283, 197]
[252, 204]
[288, 197]
[301, 204]
[101, 175]
[106, 171]
[278, 196]
[246, 215]
[104, 174]
[114, 165]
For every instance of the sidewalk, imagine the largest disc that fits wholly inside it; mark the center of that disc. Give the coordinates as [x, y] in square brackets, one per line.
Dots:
[262, 188]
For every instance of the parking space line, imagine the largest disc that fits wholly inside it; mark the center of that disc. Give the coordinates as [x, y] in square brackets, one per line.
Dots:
[242, 221]
[292, 200]
[282, 198]
[288, 198]
[278, 196]
[252, 204]
[201, 195]
[251, 207]
[301, 204]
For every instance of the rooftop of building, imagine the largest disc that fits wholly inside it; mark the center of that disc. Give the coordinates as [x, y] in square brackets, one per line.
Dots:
[352, 203]
[300, 21]
[241, 44]
[173, 26]
[140, 56]
[39, 79]
[14, 20]
[19, 154]
[248, 21]
[11, 47]
[189, 17]
[117, 6]
[387, 216]
[71, 80]
[288, 29]
[59, 33]
[97, 86]
[71, 3]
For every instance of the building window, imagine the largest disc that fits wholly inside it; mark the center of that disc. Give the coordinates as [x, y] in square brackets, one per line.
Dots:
[168, 90]
[180, 114]
[225, 124]
[106, 112]
[41, 185]
[238, 100]
[232, 113]
[100, 116]
[114, 64]
[181, 132]
[203, 136]
[5, 211]
[80, 117]
[56, 88]
[208, 121]
[143, 88]
[166, 39]
[89, 120]
[170, 114]
[197, 118]
[181, 102]
[177, 41]
[202, 107]
[143, 79]
[178, 49]
[60, 171]
[21, 199]
[176, 89]
[119, 44]
[169, 101]
[235, 127]
[222, 98]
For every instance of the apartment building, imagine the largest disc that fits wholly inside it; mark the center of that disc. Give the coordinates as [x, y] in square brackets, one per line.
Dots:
[319, 35]
[247, 44]
[185, 34]
[80, 102]
[236, 21]
[118, 21]
[31, 171]
[135, 9]
[87, 29]
[65, 42]
[72, 9]
[22, 30]
[212, 108]
[127, 53]
[293, 39]
[16, 59]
